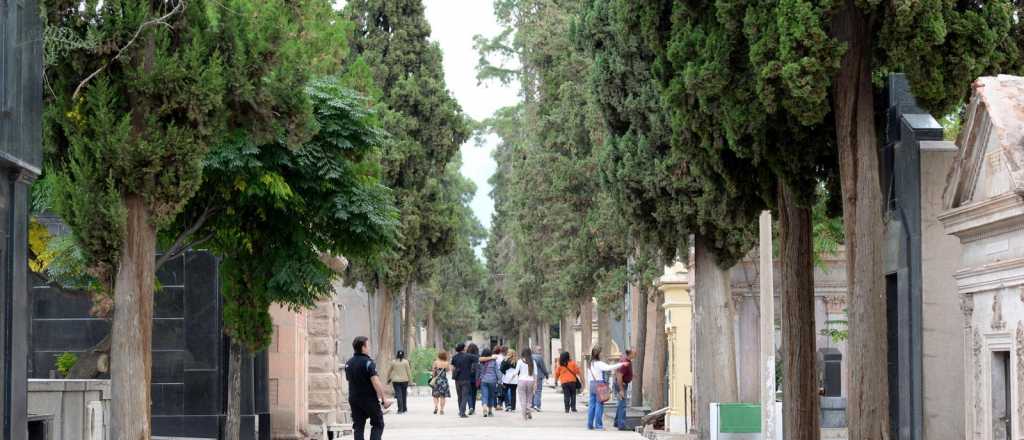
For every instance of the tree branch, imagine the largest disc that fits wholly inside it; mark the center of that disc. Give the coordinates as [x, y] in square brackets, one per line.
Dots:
[156, 21]
[180, 243]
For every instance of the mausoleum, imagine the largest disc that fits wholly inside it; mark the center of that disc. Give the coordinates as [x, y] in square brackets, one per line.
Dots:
[984, 201]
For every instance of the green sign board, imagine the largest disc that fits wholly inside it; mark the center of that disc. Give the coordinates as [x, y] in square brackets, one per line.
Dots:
[739, 418]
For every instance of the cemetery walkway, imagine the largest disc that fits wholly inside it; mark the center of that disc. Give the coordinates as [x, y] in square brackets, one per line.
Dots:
[551, 424]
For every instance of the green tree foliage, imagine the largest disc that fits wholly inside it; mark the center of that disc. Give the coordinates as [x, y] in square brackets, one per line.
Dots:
[457, 279]
[669, 181]
[790, 85]
[426, 125]
[141, 126]
[557, 238]
[138, 95]
[270, 211]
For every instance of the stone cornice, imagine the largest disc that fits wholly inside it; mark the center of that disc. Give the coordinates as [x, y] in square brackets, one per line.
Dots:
[978, 220]
[992, 276]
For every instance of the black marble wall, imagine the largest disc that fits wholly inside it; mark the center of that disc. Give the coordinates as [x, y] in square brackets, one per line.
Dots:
[189, 350]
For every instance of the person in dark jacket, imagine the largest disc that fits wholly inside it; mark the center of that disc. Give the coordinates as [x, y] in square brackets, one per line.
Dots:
[474, 378]
[365, 392]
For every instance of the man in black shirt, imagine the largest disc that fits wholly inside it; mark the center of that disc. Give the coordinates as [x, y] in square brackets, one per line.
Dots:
[365, 392]
[462, 373]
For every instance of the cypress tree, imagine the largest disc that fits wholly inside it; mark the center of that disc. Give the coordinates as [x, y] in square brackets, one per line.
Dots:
[126, 147]
[427, 127]
[671, 177]
[791, 84]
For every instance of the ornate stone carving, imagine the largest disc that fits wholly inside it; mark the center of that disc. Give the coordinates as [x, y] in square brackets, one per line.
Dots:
[979, 407]
[997, 313]
[967, 308]
[1020, 374]
[835, 303]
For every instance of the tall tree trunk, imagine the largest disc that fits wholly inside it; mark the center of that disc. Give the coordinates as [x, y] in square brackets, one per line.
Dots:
[586, 334]
[714, 317]
[431, 327]
[545, 339]
[233, 419]
[382, 343]
[800, 381]
[409, 327]
[567, 333]
[639, 340]
[131, 354]
[655, 353]
[587, 326]
[868, 407]
[604, 331]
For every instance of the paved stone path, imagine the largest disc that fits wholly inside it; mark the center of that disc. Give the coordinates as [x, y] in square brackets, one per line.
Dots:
[551, 424]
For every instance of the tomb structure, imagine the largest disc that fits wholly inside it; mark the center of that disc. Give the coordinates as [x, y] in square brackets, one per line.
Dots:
[984, 201]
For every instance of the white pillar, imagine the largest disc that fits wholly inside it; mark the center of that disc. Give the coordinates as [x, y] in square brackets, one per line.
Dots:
[768, 422]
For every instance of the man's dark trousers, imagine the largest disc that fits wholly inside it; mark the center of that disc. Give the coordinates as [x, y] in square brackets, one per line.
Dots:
[363, 409]
[465, 389]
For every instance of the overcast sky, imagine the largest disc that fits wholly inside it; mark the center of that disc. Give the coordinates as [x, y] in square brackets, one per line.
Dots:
[453, 24]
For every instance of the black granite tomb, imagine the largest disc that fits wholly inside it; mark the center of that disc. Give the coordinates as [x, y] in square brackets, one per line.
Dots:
[832, 372]
[907, 126]
[21, 103]
[190, 351]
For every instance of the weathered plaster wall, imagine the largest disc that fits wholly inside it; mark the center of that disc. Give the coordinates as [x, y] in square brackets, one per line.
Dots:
[830, 307]
[942, 333]
[289, 360]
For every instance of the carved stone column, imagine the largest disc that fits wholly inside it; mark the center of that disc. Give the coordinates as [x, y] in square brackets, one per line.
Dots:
[971, 369]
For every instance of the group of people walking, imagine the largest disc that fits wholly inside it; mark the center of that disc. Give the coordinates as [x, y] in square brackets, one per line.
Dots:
[501, 377]
[504, 379]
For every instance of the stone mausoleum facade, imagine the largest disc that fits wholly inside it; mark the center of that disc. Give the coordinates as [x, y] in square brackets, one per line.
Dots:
[306, 386]
[984, 201]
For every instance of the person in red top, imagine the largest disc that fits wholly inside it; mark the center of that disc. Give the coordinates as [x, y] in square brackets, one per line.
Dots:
[623, 377]
[568, 373]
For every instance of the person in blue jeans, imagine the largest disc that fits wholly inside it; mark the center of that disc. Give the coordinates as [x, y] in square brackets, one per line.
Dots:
[489, 383]
[596, 378]
[623, 377]
[542, 375]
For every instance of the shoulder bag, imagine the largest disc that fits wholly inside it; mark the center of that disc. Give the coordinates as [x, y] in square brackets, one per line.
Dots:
[601, 389]
[433, 378]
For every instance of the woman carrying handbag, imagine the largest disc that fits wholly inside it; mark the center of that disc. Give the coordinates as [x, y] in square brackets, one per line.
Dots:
[599, 390]
[439, 382]
[568, 375]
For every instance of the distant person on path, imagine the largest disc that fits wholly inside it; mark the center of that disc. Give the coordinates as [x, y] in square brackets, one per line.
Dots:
[595, 377]
[526, 371]
[499, 359]
[510, 380]
[462, 365]
[365, 391]
[399, 375]
[439, 381]
[542, 375]
[474, 377]
[567, 373]
[623, 377]
[489, 383]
